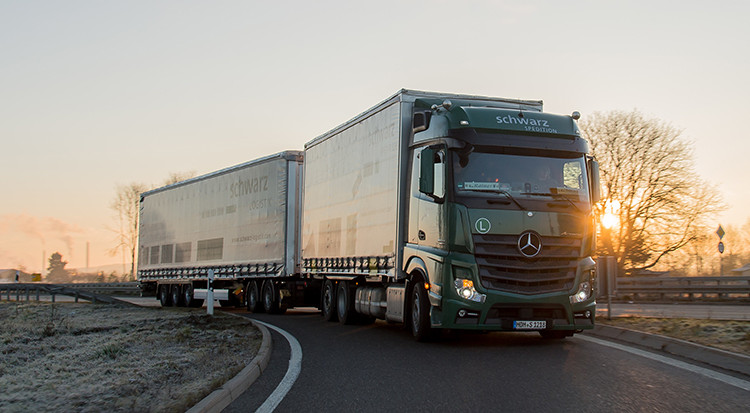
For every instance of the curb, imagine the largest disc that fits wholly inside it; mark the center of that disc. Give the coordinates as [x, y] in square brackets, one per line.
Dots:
[734, 362]
[231, 390]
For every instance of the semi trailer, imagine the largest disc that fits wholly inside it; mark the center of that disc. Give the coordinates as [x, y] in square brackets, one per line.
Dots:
[438, 211]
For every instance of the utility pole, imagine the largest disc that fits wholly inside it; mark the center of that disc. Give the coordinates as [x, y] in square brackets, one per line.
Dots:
[720, 232]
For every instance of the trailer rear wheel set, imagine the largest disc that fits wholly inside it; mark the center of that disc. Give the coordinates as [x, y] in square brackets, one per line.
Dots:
[178, 295]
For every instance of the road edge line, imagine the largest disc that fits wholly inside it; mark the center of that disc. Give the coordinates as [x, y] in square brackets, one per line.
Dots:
[292, 373]
[718, 358]
[232, 389]
[724, 378]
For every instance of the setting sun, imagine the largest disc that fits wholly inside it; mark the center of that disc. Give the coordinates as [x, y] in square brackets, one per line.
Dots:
[610, 218]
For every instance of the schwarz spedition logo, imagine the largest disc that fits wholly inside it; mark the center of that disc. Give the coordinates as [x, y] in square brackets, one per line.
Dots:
[528, 123]
[512, 120]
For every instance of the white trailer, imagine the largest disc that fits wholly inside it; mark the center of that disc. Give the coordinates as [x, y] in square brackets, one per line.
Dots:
[240, 222]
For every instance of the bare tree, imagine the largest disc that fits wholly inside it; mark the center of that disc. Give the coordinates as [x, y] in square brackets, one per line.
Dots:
[649, 185]
[127, 207]
[176, 177]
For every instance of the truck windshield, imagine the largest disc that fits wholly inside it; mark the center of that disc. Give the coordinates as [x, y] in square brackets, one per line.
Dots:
[521, 177]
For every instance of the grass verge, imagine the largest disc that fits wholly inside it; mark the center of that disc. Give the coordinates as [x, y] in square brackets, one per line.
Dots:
[732, 336]
[85, 357]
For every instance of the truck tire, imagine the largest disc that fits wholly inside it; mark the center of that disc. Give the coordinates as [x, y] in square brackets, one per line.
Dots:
[345, 304]
[188, 297]
[328, 301]
[270, 298]
[165, 298]
[176, 293]
[419, 310]
[254, 304]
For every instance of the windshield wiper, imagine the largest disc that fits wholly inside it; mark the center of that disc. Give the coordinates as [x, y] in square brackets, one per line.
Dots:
[556, 196]
[500, 191]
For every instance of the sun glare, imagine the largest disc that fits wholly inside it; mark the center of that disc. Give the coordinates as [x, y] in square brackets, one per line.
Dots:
[610, 217]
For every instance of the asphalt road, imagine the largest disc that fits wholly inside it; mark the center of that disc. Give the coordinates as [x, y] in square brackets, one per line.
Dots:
[381, 368]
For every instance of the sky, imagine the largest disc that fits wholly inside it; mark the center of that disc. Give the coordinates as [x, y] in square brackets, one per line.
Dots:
[96, 94]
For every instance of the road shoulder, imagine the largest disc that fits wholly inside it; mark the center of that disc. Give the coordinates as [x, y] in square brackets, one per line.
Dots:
[733, 362]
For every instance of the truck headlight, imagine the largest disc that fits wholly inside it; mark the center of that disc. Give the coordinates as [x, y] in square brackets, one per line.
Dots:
[584, 292]
[465, 287]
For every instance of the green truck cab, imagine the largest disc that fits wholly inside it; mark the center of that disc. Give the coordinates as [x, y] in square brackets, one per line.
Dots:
[501, 225]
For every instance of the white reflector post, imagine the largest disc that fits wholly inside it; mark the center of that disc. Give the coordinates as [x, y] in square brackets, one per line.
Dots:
[210, 295]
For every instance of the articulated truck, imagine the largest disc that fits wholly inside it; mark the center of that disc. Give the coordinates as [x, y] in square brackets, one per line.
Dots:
[438, 211]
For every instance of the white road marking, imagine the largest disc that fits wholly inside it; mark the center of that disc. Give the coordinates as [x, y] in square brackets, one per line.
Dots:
[733, 381]
[295, 365]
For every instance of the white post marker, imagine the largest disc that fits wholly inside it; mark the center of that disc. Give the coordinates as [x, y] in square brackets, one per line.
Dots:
[210, 293]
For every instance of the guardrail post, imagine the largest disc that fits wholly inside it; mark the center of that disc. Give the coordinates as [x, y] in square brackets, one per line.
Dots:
[27, 293]
[661, 295]
[53, 297]
[607, 270]
[37, 294]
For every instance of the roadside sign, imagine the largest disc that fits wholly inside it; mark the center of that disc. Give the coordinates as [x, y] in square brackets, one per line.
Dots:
[721, 247]
[720, 232]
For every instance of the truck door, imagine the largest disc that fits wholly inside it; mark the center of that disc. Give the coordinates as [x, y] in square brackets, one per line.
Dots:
[429, 214]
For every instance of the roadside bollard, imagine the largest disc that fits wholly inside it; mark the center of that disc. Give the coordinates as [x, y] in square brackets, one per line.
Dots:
[210, 293]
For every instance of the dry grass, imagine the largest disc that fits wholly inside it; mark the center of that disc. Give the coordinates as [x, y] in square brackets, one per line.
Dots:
[732, 336]
[90, 358]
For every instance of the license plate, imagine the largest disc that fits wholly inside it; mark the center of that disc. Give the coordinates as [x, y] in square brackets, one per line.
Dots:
[529, 325]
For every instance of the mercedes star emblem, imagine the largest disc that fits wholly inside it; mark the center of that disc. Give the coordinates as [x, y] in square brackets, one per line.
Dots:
[530, 244]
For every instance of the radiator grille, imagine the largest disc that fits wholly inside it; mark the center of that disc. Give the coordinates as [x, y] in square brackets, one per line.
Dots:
[502, 266]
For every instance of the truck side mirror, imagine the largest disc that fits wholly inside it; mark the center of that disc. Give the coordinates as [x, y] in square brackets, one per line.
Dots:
[427, 171]
[420, 121]
[596, 186]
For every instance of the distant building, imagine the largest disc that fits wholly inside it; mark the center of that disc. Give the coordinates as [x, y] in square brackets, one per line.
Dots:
[9, 276]
[744, 270]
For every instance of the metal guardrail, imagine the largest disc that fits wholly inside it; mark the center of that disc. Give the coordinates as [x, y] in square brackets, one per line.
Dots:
[106, 288]
[727, 288]
[37, 290]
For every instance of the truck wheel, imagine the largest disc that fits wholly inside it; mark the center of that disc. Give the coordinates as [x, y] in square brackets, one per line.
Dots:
[329, 301]
[165, 298]
[253, 298]
[188, 296]
[176, 295]
[270, 300]
[420, 314]
[345, 304]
